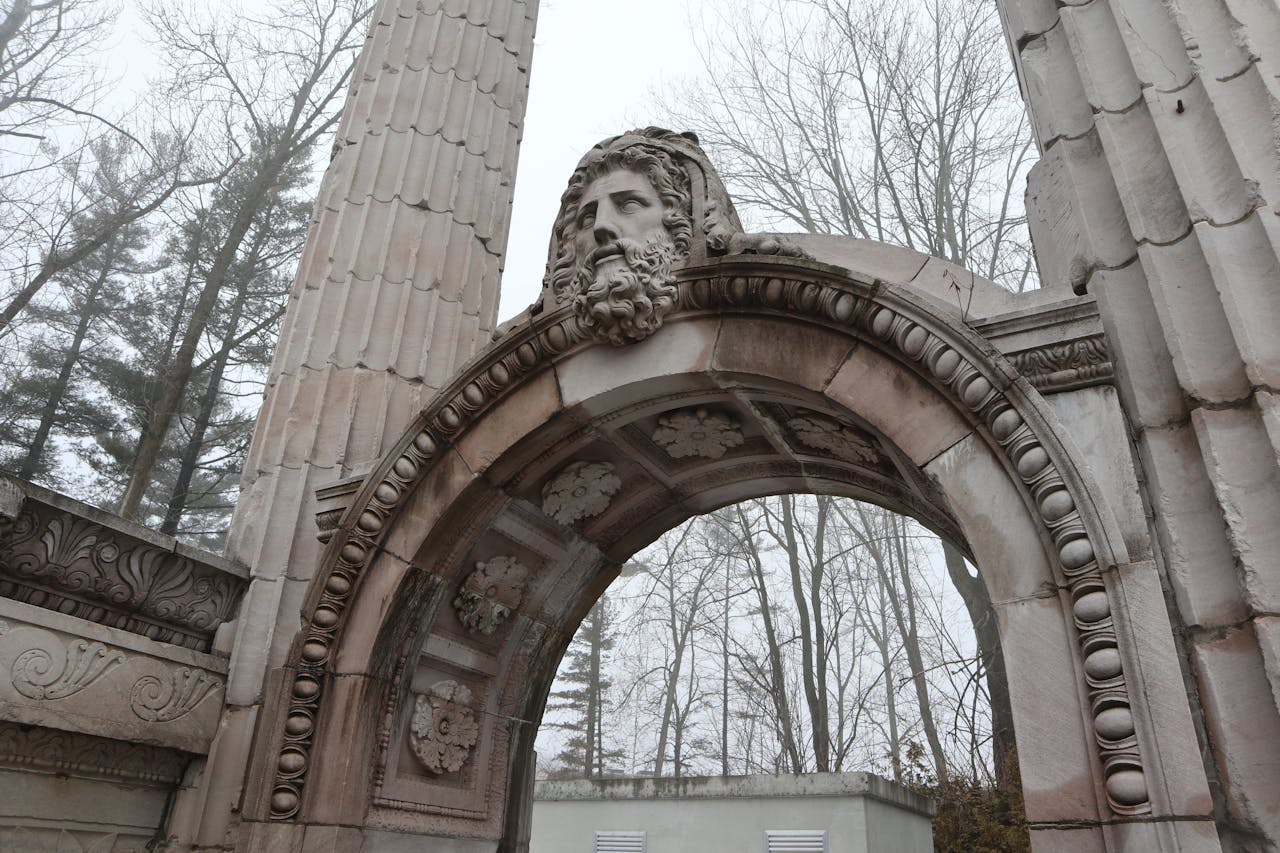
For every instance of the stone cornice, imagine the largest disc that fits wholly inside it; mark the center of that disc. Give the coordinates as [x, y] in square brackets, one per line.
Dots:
[63, 555]
[75, 754]
[1059, 346]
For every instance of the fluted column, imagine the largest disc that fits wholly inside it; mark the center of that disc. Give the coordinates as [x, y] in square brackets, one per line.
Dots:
[1158, 192]
[397, 287]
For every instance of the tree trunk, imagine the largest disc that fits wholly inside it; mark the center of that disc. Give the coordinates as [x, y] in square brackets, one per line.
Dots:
[180, 368]
[593, 747]
[209, 400]
[978, 602]
[778, 676]
[31, 461]
[904, 613]
[810, 614]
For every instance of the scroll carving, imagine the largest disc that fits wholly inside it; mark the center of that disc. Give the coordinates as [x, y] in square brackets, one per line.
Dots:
[443, 729]
[162, 700]
[37, 674]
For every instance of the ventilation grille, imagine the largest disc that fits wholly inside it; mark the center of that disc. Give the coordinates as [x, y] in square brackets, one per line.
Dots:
[795, 841]
[625, 841]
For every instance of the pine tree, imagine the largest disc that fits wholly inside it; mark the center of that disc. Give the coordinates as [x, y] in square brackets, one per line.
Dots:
[585, 698]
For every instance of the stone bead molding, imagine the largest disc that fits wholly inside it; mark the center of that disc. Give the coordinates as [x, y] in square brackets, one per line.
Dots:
[60, 555]
[952, 360]
[75, 754]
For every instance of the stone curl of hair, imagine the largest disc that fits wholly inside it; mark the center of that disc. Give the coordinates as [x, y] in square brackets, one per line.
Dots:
[669, 180]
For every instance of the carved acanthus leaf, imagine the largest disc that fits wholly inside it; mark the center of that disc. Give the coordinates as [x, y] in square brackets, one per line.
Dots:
[443, 729]
[697, 432]
[581, 490]
[821, 433]
[1066, 365]
[490, 594]
[59, 560]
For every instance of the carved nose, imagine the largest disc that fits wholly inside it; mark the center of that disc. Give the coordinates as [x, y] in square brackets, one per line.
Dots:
[605, 233]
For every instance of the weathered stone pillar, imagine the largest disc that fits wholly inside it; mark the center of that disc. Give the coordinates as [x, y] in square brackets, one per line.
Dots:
[1158, 192]
[397, 287]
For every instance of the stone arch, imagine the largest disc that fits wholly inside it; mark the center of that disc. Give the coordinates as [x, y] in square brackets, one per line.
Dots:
[916, 412]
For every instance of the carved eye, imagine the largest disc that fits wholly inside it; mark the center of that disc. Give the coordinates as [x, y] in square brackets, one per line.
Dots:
[587, 219]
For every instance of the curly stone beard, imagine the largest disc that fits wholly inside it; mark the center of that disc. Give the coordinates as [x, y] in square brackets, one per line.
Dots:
[628, 302]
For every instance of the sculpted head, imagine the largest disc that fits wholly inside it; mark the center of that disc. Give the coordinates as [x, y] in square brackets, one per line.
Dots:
[624, 221]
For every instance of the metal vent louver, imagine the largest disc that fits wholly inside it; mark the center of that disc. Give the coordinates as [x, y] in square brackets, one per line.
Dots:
[795, 841]
[620, 841]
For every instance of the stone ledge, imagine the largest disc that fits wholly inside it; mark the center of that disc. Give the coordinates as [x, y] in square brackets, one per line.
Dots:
[737, 787]
[65, 673]
[63, 555]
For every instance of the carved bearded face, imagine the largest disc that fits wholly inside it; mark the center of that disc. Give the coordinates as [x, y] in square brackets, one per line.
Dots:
[623, 225]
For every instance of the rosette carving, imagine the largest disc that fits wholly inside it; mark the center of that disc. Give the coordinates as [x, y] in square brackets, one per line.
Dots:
[821, 433]
[581, 490]
[490, 594]
[443, 729]
[697, 432]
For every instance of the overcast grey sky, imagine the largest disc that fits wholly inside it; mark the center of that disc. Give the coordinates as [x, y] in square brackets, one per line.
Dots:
[594, 64]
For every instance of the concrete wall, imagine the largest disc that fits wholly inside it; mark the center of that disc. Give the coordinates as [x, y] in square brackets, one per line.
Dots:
[860, 812]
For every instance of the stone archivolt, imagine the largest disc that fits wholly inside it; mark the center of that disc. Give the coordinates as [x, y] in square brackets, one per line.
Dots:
[697, 432]
[945, 358]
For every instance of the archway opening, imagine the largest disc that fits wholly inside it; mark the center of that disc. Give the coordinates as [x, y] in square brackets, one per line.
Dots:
[488, 533]
[780, 636]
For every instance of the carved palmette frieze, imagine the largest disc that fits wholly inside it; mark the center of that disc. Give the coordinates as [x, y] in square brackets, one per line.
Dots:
[581, 490]
[76, 754]
[443, 729]
[176, 693]
[768, 285]
[38, 673]
[697, 432]
[55, 559]
[822, 433]
[1066, 365]
[490, 594]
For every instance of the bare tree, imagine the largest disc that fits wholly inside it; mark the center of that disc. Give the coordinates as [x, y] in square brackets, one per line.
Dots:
[278, 80]
[895, 121]
[46, 73]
